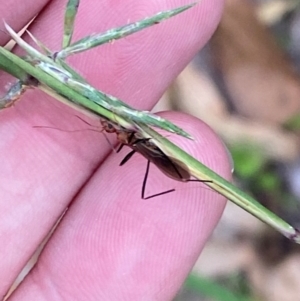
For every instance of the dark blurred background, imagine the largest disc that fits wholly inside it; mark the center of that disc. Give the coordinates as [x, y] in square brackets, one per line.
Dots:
[246, 85]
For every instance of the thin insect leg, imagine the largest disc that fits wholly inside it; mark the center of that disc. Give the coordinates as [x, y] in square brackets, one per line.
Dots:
[84, 121]
[125, 141]
[127, 157]
[102, 131]
[128, 142]
[96, 130]
[145, 182]
[120, 148]
[107, 140]
[61, 130]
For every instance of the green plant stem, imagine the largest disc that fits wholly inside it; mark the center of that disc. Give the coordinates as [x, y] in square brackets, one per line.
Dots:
[21, 69]
[225, 188]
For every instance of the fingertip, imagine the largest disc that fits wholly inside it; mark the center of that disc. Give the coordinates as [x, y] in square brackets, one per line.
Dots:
[127, 246]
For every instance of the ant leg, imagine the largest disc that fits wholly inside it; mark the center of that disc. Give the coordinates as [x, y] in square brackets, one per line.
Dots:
[84, 121]
[145, 182]
[120, 147]
[127, 157]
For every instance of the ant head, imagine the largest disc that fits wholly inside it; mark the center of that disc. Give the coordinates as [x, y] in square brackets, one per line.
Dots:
[108, 126]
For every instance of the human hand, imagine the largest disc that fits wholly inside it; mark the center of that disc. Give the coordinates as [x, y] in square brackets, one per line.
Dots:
[111, 244]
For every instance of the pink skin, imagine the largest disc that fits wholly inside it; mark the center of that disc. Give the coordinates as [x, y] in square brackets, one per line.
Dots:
[111, 245]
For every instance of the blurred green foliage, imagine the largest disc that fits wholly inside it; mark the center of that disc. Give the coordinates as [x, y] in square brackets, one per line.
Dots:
[233, 288]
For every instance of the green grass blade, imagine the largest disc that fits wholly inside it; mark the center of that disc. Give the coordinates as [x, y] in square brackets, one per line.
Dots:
[119, 32]
[70, 15]
[55, 87]
[51, 85]
[56, 81]
[105, 100]
[225, 188]
[32, 52]
[110, 102]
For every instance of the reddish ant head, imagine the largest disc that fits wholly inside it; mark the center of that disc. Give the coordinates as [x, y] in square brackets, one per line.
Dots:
[108, 126]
